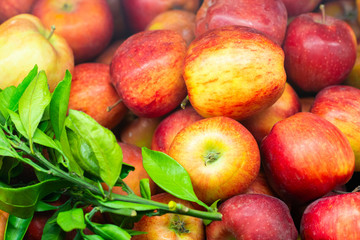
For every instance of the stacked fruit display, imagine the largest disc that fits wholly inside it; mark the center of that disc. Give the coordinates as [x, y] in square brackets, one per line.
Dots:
[179, 119]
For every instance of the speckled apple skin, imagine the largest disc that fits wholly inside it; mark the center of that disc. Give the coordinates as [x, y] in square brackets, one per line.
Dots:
[146, 71]
[233, 71]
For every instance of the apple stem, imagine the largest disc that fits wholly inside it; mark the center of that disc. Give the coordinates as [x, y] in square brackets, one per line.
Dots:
[357, 189]
[109, 108]
[184, 102]
[322, 9]
[52, 30]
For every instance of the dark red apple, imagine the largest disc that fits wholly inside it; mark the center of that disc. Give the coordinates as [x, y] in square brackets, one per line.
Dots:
[333, 217]
[319, 51]
[305, 157]
[295, 8]
[253, 217]
[267, 16]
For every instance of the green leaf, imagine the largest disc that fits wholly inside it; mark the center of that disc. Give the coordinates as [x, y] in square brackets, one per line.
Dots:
[103, 144]
[59, 104]
[71, 219]
[21, 202]
[41, 138]
[20, 89]
[5, 147]
[145, 190]
[5, 97]
[129, 205]
[168, 174]
[92, 237]
[16, 227]
[32, 104]
[15, 118]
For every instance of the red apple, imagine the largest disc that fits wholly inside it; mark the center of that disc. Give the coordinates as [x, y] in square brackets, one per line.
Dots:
[178, 20]
[319, 51]
[139, 131]
[26, 42]
[261, 123]
[170, 126]
[3, 221]
[253, 217]
[139, 13]
[107, 55]
[267, 16]
[295, 8]
[86, 25]
[340, 105]
[233, 71]
[170, 226]
[146, 71]
[116, 8]
[334, 217]
[220, 155]
[92, 93]
[305, 157]
[260, 186]
[11, 8]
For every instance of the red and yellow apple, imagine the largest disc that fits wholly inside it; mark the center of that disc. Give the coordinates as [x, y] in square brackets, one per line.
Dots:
[25, 42]
[220, 155]
[146, 71]
[233, 71]
[86, 25]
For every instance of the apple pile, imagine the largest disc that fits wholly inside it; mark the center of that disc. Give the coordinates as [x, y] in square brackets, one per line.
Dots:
[258, 100]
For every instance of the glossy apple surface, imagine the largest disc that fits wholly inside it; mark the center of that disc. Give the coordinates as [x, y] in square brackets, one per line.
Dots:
[170, 226]
[318, 53]
[295, 8]
[253, 217]
[92, 93]
[249, 75]
[340, 105]
[261, 123]
[267, 16]
[305, 157]
[220, 155]
[167, 129]
[86, 25]
[24, 43]
[146, 71]
[334, 217]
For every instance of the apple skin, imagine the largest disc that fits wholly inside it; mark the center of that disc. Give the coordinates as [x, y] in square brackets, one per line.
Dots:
[157, 87]
[11, 8]
[295, 8]
[220, 155]
[3, 221]
[249, 75]
[139, 13]
[305, 157]
[260, 186]
[306, 103]
[253, 217]
[353, 79]
[178, 20]
[340, 105]
[170, 126]
[91, 92]
[333, 217]
[261, 123]
[87, 26]
[318, 55]
[24, 44]
[267, 16]
[108, 53]
[160, 227]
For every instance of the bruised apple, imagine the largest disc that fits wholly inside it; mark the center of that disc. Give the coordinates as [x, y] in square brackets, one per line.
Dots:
[233, 71]
[220, 155]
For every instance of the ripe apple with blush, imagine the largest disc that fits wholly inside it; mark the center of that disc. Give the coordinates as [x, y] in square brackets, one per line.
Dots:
[340, 105]
[251, 217]
[170, 226]
[260, 186]
[11, 8]
[332, 217]
[249, 75]
[108, 53]
[139, 13]
[220, 155]
[267, 16]
[167, 129]
[92, 92]
[305, 156]
[295, 8]
[146, 71]
[25, 42]
[86, 25]
[319, 51]
[261, 123]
